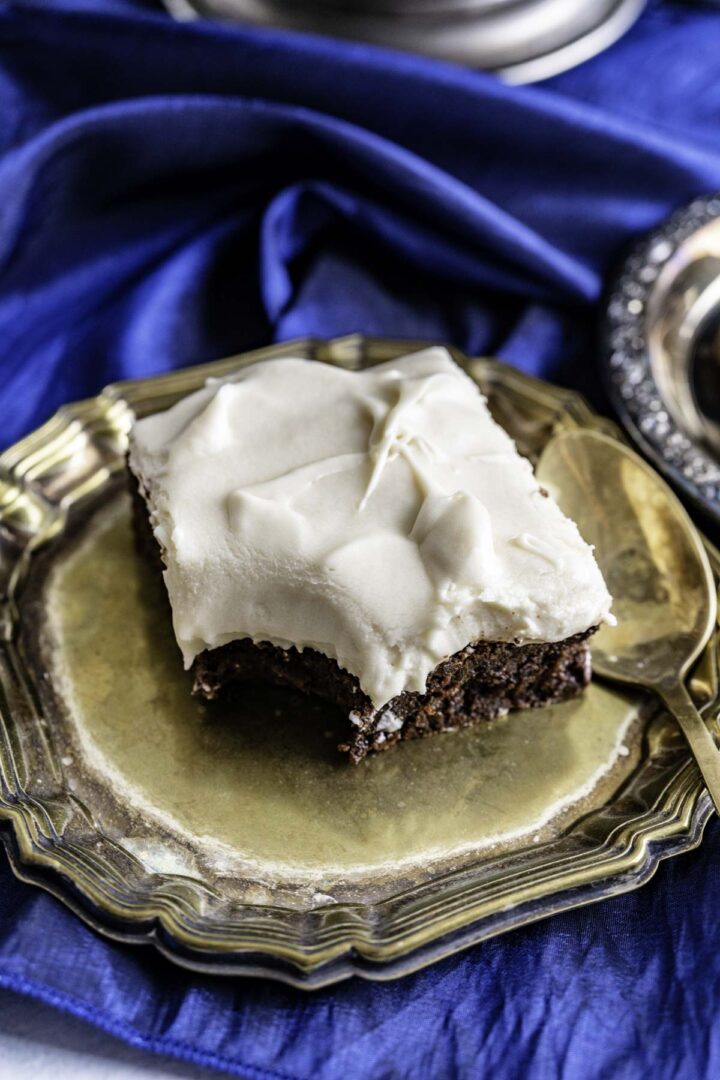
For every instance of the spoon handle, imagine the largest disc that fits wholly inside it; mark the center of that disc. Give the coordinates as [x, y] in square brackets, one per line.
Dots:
[696, 732]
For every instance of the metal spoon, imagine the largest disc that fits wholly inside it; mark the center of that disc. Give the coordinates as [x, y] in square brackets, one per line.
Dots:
[656, 568]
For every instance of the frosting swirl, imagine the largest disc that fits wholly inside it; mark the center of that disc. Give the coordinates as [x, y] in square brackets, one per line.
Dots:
[380, 517]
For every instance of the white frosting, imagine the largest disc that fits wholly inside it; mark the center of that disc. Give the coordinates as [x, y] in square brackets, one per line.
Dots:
[381, 517]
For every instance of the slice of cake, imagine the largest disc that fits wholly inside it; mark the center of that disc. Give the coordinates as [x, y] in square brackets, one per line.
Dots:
[371, 537]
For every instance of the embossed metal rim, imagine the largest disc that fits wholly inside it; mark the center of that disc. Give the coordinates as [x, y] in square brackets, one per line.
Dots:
[635, 393]
[660, 812]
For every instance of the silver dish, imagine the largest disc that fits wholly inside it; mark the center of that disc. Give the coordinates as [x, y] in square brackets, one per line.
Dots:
[521, 40]
[243, 845]
[662, 350]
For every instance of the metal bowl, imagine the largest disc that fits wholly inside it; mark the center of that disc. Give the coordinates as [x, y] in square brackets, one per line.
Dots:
[662, 350]
[522, 40]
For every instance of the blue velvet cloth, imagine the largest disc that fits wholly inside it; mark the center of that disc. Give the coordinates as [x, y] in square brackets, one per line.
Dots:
[173, 193]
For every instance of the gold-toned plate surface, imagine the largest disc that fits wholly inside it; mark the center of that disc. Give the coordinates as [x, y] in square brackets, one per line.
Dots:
[234, 837]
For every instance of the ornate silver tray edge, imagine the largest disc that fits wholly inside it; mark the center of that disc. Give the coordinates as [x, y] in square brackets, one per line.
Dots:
[42, 480]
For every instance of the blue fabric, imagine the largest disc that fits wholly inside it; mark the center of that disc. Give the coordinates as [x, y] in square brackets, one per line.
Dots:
[173, 193]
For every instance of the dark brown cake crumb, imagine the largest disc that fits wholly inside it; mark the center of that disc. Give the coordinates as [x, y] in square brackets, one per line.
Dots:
[484, 680]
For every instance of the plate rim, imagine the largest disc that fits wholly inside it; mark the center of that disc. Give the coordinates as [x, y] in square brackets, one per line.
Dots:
[562, 55]
[306, 949]
[628, 368]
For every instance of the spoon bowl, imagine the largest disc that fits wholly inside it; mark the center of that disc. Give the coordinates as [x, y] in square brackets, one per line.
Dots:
[655, 566]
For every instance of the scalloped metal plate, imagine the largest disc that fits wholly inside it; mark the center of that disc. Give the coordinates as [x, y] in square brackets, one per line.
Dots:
[55, 483]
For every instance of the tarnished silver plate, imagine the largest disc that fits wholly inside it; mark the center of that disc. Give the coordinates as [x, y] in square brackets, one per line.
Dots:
[235, 838]
[662, 350]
